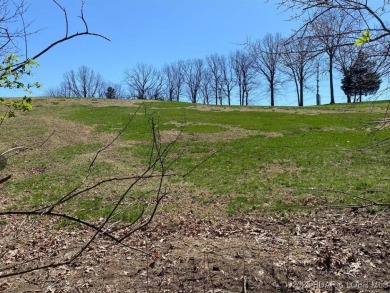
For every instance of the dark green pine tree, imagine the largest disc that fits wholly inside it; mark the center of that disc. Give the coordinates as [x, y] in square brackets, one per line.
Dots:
[110, 93]
[361, 79]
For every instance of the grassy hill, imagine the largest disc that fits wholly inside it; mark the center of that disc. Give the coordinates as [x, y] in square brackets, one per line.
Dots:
[254, 199]
[254, 158]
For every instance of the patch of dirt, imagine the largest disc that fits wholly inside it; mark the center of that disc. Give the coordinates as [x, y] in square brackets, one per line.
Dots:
[53, 132]
[384, 123]
[87, 102]
[272, 170]
[231, 133]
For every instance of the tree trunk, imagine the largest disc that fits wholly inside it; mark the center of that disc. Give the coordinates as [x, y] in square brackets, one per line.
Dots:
[297, 90]
[332, 101]
[301, 84]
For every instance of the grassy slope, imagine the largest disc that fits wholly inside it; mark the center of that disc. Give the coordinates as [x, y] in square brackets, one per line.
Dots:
[266, 158]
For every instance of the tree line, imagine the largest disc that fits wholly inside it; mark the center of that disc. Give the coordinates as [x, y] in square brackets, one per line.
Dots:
[267, 64]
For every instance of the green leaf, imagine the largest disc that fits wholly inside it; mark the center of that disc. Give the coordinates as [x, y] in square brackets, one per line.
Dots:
[364, 38]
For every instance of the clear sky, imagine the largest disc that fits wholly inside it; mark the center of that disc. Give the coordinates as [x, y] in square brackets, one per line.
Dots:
[149, 31]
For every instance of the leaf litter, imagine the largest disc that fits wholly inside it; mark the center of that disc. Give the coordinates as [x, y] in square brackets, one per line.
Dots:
[316, 251]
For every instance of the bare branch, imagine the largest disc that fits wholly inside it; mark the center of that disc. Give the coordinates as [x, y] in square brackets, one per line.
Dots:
[67, 37]
[82, 16]
[65, 17]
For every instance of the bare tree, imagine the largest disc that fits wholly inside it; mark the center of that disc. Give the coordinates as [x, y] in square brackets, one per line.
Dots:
[267, 60]
[299, 60]
[143, 81]
[229, 81]
[193, 74]
[174, 80]
[331, 29]
[156, 92]
[179, 78]
[245, 75]
[60, 91]
[214, 64]
[169, 82]
[81, 83]
[206, 85]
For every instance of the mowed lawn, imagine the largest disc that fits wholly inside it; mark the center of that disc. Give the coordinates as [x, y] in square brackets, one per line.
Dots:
[239, 159]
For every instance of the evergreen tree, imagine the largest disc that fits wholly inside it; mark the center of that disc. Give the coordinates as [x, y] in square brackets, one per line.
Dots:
[110, 93]
[360, 79]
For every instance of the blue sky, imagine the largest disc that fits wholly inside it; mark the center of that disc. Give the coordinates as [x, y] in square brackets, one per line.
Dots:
[149, 31]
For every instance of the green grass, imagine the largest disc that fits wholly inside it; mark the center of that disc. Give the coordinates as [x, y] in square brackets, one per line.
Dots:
[266, 159]
[68, 153]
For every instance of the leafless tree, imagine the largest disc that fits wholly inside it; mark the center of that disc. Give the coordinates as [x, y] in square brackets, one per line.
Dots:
[330, 30]
[193, 74]
[229, 81]
[299, 60]
[245, 75]
[156, 92]
[214, 64]
[267, 60]
[60, 91]
[174, 80]
[179, 78]
[206, 85]
[169, 81]
[143, 81]
[82, 83]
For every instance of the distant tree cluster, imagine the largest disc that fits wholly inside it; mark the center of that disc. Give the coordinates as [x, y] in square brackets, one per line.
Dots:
[325, 44]
[83, 83]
